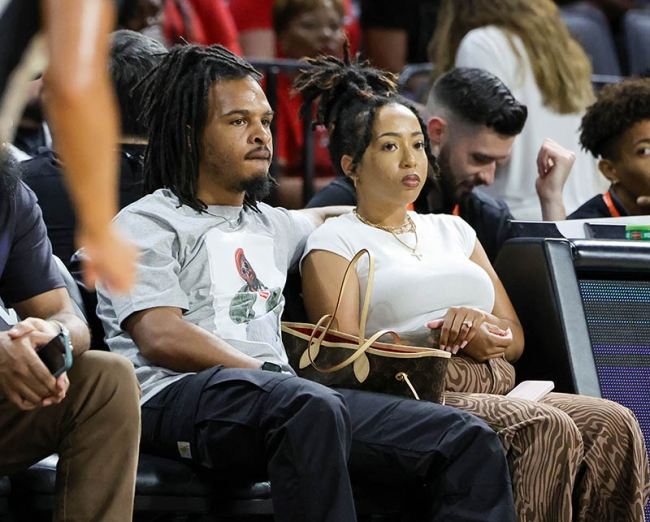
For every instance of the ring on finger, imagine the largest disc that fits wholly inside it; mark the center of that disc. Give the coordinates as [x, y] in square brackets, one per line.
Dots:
[467, 323]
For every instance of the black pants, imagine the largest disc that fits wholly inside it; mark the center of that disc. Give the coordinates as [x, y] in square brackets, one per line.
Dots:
[305, 437]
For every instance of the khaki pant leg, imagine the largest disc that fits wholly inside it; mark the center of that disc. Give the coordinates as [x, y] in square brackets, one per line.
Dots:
[613, 481]
[95, 431]
[544, 450]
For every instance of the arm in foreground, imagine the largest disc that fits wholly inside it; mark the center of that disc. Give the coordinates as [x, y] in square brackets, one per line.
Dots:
[83, 115]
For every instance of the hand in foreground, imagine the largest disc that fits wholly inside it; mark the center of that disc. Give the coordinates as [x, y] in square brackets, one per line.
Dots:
[458, 327]
[109, 258]
[24, 379]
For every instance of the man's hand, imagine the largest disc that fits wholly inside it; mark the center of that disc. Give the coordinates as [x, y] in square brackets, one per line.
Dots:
[24, 379]
[554, 163]
[109, 258]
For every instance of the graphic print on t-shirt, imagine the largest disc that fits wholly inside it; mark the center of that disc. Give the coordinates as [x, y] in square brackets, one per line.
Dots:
[247, 287]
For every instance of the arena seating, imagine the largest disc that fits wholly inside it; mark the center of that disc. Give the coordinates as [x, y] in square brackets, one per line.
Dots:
[589, 26]
[636, 26]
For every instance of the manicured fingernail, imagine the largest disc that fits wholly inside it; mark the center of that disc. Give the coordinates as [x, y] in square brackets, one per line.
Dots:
[443, 347]
[455, 350]
[463, 344]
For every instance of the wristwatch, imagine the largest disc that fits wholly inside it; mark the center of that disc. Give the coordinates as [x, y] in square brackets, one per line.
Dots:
[271, 367]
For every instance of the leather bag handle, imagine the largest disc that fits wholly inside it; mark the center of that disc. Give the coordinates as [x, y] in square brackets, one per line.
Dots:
[326, 321]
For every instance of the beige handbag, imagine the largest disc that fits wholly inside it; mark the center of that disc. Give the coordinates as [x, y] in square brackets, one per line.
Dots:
[322, 354]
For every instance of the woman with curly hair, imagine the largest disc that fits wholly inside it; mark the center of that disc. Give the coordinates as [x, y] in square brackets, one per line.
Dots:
[616, 130]
[526, 45]
[571, 457]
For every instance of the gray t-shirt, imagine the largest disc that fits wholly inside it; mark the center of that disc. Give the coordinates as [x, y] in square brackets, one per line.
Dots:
[225, 269]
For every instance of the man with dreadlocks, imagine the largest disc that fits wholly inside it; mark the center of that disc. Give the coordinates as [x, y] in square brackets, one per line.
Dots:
[226, 400]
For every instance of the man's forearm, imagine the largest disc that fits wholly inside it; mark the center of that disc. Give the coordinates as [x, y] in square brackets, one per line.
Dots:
[319, 214]
[553, 208]
[184, 347]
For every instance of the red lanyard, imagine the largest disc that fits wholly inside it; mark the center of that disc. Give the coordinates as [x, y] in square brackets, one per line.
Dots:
[607, 198]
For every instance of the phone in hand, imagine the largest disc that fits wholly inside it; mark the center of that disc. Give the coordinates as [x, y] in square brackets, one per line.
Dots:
[57, 354]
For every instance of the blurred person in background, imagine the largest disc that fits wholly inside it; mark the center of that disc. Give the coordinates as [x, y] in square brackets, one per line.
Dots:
[257, 37]
[526, 45]
[301, 29]
[396, 36]
[173, 22]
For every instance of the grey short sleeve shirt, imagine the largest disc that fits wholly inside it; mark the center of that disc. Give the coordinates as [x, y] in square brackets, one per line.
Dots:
[225, 269]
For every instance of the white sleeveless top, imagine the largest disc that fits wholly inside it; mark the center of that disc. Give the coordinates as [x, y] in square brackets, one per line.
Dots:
[409, 292]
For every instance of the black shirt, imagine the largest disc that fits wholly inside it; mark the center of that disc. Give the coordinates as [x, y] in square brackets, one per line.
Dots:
[27, 268]
[597, 208]
[44, 176]
[489, 217]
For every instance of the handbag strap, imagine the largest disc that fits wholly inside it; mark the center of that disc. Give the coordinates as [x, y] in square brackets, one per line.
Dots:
[364, 343]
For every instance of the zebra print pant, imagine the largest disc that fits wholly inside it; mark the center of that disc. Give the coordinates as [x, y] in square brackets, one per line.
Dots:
[571, 457]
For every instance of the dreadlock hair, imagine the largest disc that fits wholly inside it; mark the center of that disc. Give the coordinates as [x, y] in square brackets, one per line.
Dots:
[619, 106]
[350, 93]
[176, 102]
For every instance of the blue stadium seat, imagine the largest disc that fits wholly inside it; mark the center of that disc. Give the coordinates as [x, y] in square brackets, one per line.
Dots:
[636, 27]
[590, 28]
[5, 490]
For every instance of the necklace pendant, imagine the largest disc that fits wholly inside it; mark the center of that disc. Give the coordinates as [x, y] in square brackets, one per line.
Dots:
[415, 254]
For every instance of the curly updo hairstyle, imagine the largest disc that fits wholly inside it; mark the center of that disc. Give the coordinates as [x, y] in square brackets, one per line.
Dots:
[349, 93]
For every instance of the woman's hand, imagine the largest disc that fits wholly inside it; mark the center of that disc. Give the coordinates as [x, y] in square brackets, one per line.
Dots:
[458, 327]
[489, 342]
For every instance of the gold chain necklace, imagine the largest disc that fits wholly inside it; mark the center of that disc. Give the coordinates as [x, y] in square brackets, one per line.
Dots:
[408, 226]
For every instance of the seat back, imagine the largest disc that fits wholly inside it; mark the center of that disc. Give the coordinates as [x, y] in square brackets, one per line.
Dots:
[5, 490]
[585, 308]
[414, 81]
[590, 28]
[636, 26]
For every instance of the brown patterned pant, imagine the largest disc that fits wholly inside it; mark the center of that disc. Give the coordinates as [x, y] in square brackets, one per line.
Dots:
[571, 457]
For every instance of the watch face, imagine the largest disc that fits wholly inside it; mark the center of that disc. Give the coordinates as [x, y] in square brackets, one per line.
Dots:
[271, 367]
